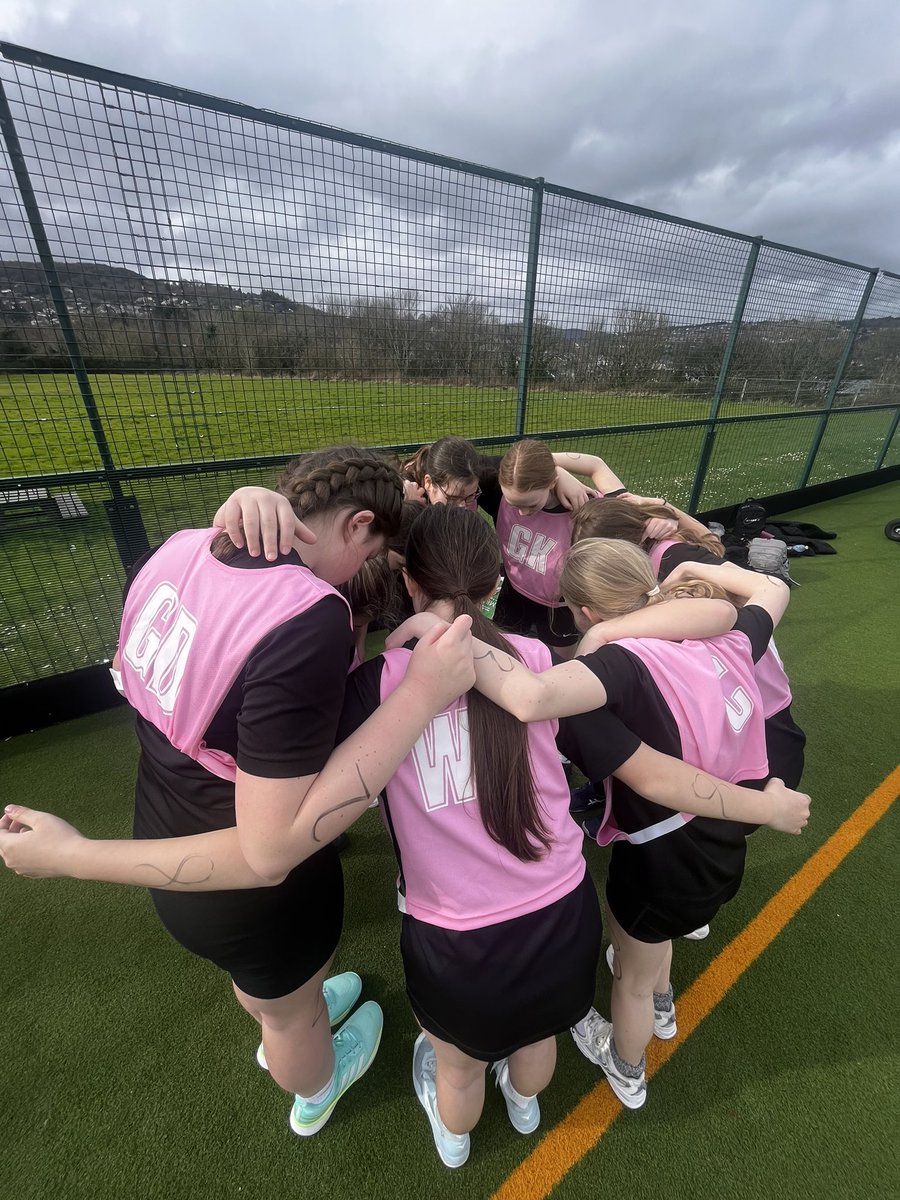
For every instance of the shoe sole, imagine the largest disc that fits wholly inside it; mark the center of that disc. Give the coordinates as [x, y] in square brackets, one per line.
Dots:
[309, 1130]
[332, 1021]
[629, 1100]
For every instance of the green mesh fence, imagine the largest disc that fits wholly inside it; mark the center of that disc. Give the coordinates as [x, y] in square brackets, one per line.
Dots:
[192, 291]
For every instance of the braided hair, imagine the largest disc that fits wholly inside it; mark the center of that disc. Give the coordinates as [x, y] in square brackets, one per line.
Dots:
[344, 477]
[334, 479]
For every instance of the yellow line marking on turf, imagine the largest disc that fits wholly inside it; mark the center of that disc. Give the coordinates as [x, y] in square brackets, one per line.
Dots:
[568, 1142]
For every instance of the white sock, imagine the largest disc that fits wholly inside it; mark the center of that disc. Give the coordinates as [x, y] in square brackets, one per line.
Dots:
[517, 1098]
[321, 1093]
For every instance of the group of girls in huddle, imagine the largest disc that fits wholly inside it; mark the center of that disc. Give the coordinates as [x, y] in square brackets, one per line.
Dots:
[258, 749]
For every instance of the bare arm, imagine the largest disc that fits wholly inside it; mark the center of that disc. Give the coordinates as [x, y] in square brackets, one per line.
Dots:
[674, 621]
[749, 586]
[280, 821]
[602, 476]
[678, 785]
[43, 846]
[265, 519]
[560, 691]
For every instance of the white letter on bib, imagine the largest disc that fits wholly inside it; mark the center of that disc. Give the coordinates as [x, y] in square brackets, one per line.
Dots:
[442, 761]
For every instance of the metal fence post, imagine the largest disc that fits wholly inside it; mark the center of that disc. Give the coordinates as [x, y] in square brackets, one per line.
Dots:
[710, 436]
[836, 381]
[887, 441]
[124, 515]
[534, 242]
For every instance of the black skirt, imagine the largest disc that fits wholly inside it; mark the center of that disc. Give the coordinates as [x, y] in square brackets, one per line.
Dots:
[491, 991]
[269, 940]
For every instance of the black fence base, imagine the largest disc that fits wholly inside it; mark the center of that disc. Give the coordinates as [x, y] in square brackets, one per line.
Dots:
[30, 706]
[784, 502]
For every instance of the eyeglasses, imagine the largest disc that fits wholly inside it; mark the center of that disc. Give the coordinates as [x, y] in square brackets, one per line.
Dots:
[461, 501]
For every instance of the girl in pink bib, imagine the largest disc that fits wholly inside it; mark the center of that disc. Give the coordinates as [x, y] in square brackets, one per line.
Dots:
[694, 543]
[697, 700]
[535, 531]
[236, 668]
[500, 925]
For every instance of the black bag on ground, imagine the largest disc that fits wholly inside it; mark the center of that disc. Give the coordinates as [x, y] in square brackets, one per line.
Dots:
[749, 520]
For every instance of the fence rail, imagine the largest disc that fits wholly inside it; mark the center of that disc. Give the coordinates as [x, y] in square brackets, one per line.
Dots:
[192, 289]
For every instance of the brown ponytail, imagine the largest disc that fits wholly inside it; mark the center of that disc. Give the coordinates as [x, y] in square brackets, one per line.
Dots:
[452, 554]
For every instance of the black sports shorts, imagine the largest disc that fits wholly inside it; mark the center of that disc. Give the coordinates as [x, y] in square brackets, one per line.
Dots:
[269, 940]
[668, 887]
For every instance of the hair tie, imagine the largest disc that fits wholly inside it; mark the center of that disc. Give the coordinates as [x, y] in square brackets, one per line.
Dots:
[654, 591]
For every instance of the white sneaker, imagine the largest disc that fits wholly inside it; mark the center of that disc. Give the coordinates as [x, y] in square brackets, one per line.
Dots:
[698, 935]
[595, 1045]
[523, 1118]
[452, 1148]
[664, 1025]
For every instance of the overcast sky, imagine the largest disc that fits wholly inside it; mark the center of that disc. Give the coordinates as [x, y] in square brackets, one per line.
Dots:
[766, 117]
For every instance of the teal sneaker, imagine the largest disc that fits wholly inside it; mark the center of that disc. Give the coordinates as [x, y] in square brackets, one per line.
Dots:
[452, 1148]
[355, 1046]
[341, 992]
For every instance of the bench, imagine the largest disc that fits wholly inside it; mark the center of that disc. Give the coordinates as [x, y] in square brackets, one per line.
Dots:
[28, 508]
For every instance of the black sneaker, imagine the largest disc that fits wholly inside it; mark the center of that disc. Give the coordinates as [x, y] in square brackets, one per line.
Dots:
[584, 798]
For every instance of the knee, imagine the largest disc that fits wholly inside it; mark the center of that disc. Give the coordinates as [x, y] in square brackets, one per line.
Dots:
[461, 1078]
[635, 984]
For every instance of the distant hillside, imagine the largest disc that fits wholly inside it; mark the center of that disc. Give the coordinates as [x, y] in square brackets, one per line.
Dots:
[92, 287]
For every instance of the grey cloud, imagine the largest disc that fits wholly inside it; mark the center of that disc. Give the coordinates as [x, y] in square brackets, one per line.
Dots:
[763, 121]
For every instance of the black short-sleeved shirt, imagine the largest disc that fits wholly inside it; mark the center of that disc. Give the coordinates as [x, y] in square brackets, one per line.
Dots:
[699, 860]
[278, 720]
[489, 482]
[684, 552]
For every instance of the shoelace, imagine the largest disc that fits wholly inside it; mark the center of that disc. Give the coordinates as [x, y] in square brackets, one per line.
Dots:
[594, 1035]
[348, 1043]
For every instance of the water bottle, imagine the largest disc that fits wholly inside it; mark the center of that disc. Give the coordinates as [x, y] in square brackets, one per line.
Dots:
[798, 548]
[489, 607]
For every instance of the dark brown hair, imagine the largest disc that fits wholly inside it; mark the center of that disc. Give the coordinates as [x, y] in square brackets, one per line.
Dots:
[410, 511]
[613, 518]
[336, 478]
[452, 554]
[373, 593]
[448, 458]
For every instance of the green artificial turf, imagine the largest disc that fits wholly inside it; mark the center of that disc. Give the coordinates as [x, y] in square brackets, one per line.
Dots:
[128, 1068]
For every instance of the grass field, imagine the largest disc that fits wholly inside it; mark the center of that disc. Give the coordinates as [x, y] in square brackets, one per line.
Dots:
[61, 581]
[128, 1069]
